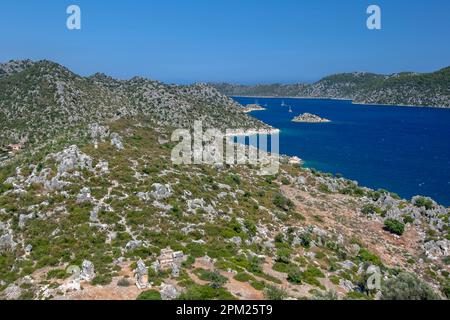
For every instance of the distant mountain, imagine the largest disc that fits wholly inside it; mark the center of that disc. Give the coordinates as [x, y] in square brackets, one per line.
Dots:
[40, 99]
[417, 89]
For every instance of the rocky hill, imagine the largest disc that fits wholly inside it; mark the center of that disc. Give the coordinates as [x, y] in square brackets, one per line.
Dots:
[415, 89]
[113, 218]
[39, 100]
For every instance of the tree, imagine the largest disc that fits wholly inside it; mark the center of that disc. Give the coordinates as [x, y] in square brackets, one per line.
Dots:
[407, 286]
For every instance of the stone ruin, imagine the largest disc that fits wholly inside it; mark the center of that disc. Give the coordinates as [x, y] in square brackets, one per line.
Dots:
[141, 275]
[169, 259]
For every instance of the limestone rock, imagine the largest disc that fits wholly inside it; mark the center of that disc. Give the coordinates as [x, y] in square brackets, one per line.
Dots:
[84, 195]
[133, 244]
[7, 243]
[116, 141]
[161, 191]
[23, 218]
[12, 292]
[168, 292]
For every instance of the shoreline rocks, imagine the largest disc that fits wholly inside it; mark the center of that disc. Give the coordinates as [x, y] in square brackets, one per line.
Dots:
[310, 118]
[253, 107]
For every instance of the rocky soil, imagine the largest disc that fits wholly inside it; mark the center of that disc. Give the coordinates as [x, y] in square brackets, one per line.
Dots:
[112, 218]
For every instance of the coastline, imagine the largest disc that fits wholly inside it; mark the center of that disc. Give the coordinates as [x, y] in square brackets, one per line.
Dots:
[306, 165]
[340, 99]
[251, 132]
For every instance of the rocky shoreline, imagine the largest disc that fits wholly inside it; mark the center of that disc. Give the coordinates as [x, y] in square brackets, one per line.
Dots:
[310, 118]
[253, 107]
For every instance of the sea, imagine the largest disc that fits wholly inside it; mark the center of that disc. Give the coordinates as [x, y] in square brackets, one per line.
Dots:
[405, 150]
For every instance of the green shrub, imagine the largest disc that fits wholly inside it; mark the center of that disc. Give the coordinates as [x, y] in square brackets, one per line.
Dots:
[446, 291]
[188, 262]
[282, 202]
[281, 267]
[257, 285]
[149, 295]
[216, 279]
[283, 255]
[197, 292]
[251, 227]
[323, 188]
[407, 286]
[367, 256]
[102, 280]
[335, 279]
[295, 275]
[123, 282]
[305, 240]
[196, 250]
[394, 226]
[408, 219]
[5, 187]
[356, 295]
[274, 293]
[57, 274]
[243, 277]
[424, 202]
[370, 209]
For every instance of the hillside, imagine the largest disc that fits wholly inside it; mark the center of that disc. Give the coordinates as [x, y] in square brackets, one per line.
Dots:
[39, 100]
[428, 89]
[131, 224]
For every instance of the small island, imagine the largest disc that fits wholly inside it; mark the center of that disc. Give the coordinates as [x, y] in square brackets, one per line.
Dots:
[310, 118]
[253, 107]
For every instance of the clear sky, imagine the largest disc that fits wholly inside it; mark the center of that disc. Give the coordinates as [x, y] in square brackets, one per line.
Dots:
[241, 41]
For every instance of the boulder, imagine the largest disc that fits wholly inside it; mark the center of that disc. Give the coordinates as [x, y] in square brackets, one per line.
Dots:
[93, 217]
[347, 285]
[161, 191]
[84, 195]
[72, 158]
[23, 219]
[347, 264]
[168, 292]
[236, 240]
[195, 204]
[12, 292]
[98, 133]
[133, 244]
[7, 243]
[116, 141]
[436, 249]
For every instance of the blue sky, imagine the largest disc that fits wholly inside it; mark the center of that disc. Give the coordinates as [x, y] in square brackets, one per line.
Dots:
[241, 41]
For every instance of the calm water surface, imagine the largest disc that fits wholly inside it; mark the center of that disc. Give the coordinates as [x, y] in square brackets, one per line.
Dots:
[403, 149]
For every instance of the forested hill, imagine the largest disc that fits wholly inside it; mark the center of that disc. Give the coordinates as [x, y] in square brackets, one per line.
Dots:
[406, 88]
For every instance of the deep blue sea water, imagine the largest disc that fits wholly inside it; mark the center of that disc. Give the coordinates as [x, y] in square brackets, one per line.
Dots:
[402, 149]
